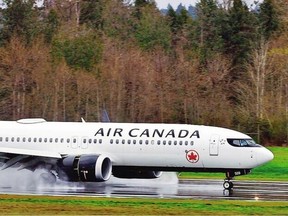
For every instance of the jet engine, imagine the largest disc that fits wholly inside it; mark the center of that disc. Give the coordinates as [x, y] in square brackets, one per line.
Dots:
[85, 168]
[135, 173]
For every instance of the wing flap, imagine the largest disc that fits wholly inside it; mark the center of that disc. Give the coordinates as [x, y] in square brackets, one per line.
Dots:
[30, 152]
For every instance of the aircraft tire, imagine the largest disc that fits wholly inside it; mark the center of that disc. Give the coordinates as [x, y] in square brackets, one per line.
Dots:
[228, 185]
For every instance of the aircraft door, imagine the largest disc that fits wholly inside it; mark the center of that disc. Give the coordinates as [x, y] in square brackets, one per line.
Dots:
[214, 145]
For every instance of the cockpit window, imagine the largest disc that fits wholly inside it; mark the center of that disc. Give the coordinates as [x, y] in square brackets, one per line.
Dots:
[242, 142]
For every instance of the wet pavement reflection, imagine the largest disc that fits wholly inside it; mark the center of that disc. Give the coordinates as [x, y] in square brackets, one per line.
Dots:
[167, 186]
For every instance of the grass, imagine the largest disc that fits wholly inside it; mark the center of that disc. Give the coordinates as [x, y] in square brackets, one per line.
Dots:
[42, 205]
[276, 170]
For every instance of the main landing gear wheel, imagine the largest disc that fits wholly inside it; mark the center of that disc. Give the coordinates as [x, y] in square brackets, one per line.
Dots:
[228, 185]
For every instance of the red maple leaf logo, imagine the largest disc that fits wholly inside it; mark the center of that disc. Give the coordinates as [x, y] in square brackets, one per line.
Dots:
[192, 156]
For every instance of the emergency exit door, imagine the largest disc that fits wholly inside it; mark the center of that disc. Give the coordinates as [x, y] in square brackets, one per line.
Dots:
[214, 145]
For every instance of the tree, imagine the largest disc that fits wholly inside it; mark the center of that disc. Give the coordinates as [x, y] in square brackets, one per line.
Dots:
[52, 25]
[20, 18]
[240, 36]
[268, 18]
[209, 30]
[92, 13]
[152, 31]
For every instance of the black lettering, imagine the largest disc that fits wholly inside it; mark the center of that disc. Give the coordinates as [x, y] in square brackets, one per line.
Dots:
[170, 133]
[183, 133]
[118, 131]
[130, 132]
[108, 133]
[145, 133]
[195, 133]
[100, 132]
[156, 131]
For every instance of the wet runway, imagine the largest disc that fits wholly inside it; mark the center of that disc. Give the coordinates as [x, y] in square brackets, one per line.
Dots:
[167, 186]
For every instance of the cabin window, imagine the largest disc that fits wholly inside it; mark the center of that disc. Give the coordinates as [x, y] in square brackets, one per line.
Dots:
[29, 139]
[158, 142]
[146, 142]
[175, 142]
[123, 141]
[12, 139]
[111, 141]
[18, 139]
[95, 141]
[134, 142]
[164, 142]
[84, 140]
[129, 141]
[191, 143]
[140, 142]
[35, 139]
[100, 141]
[0, 139]
[45, 140]
[50, 140]
[186, 142]
[180, 142]
[56, 140]
[117, 141]
[169, 142]
[62, 140]
[68, 140]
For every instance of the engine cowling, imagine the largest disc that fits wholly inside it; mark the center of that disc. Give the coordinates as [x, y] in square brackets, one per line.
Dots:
[135, 173]
[85, 168]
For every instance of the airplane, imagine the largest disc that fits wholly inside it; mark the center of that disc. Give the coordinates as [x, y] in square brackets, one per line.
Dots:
[93, 151]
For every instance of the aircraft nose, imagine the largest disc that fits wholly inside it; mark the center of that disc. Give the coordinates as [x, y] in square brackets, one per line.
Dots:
[264, 156]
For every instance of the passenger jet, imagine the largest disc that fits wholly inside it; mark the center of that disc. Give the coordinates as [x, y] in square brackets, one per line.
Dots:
[92, 152]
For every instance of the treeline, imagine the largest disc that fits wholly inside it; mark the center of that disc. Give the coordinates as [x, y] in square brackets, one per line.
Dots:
[70, 59]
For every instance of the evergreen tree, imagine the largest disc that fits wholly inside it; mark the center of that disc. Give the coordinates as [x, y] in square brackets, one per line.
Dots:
[172, 16]
[268, 18]
[20, 18]
[51, 25]
[153, 30]
[92, 13]
[240, 36]
[140, 4]
[209, 29]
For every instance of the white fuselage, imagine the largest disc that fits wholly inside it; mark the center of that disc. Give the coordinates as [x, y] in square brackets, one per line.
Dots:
[174, 147]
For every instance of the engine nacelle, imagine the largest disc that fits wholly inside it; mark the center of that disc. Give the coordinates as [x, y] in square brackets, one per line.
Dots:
[85, 168]
[135, 173]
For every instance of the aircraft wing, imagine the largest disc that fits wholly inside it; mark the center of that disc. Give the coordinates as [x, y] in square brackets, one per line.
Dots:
[24, 158]
[28, 152]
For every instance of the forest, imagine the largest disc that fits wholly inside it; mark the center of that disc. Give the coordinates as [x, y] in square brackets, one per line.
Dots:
[67, 59]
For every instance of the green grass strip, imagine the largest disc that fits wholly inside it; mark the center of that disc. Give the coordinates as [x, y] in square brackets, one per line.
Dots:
[43, 205]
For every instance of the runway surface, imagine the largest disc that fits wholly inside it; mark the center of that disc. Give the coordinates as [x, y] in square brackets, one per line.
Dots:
[167, 186]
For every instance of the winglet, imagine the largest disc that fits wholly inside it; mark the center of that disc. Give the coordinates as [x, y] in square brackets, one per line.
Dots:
[104, 116]
[83, 121]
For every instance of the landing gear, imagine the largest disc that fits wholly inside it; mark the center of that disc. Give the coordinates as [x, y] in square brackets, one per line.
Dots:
[228, 185]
